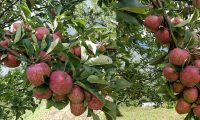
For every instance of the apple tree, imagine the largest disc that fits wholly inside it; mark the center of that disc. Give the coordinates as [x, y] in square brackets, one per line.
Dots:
[64, 58]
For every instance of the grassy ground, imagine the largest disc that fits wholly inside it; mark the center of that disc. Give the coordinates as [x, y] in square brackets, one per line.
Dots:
[129, 113]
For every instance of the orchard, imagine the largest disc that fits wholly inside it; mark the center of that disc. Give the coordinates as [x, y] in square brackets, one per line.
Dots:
[95, 55]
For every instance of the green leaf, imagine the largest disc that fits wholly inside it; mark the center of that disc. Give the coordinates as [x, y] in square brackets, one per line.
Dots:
[35, 45]
[41, 89]
[110, 110]
[43, 43]
[99, 60]
[18, 34]
[58, 105]
[75, 62]
[120, 83]
[94, 116]
[84, 55]
[96, 79]
[159, 59]
[53, 46]
[183, 23]
[135, 9]
[128, 18]
[189, 116]
[90, 89]
[26, 11]
[195, 16]
[91, 46]
[29, 47]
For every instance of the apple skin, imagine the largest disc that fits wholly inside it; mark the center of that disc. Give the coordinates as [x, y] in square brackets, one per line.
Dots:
[40, 32]
[60, 82]
[35, 73]
[10, 61]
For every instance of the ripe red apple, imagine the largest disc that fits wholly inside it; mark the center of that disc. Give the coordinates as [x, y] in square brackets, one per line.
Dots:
[15, 26]
[179, 56]
[182, 106]
[10, 61]
[57, 35]
[190, 95]
[35, 73]
[152, 22]
[163, 36]
[176, 20]
[5, 43]
[169, 73]
[77, 109]
[45, 93]
[196, 110]
[190, 76]
[196, 3]
[95, 103]
[60, 83]
[88, 96]
[40, 32]
[44, 56]
[59, 98]
[77, 51]
[178, 87]
[76, 95]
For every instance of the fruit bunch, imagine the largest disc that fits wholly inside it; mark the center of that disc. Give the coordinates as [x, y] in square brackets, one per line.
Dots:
[159, 26]
[182, 72]
[48, 80]
[182, 68]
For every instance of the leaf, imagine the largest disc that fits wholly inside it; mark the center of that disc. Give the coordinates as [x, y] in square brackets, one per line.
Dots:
[159, 59]
[99, 60]
[183, 23]
[91, 46]
[84, 55]
[29, 47]
[96, 79]
[58, 105]
[120, 84]
[75, 62]
[53, 46]
[29, 4]
[35, 45]
[189, 115]
[195, 16]
[94, 116]
[90, 89]
[135, 9]
[26, 11]
[128, 18]
[59, 9]
[18, 34]
[110, 110]
[43, 43]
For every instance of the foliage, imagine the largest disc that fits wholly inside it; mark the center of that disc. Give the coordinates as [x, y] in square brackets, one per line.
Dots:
[15, 98]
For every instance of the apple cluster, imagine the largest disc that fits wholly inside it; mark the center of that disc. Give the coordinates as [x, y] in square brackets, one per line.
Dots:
[182, 70]
[157, 25]
[56, 85]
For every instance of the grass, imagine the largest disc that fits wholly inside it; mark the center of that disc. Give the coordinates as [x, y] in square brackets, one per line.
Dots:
[129, 113]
